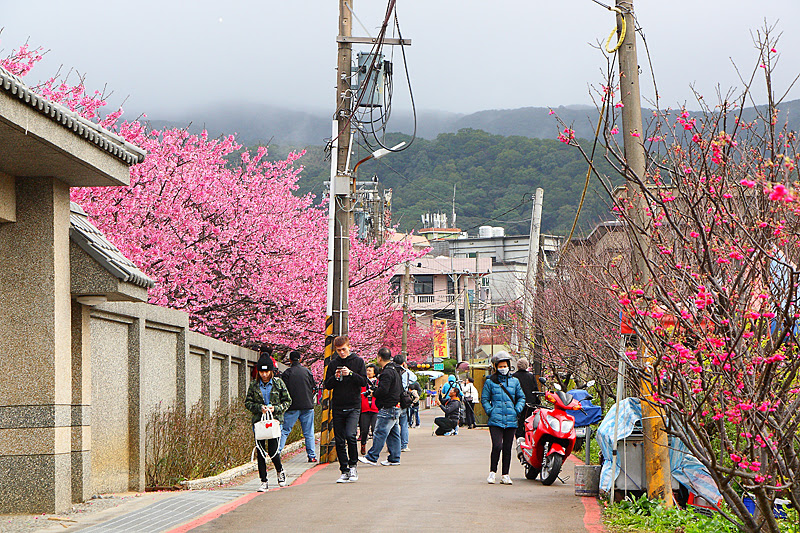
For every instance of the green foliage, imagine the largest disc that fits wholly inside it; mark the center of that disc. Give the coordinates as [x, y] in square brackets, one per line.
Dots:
[494, 178]
[449, 366]
[642, 515]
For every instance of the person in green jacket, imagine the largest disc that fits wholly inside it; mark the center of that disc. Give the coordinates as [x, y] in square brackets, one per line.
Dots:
[268, 394]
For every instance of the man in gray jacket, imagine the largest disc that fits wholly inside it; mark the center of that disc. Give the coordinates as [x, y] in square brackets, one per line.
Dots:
[301, 385]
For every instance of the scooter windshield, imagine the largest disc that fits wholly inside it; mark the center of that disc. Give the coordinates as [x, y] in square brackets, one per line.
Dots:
[564, 398]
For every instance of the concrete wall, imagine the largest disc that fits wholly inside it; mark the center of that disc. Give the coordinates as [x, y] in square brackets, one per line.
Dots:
[144, 357]
[36, 413]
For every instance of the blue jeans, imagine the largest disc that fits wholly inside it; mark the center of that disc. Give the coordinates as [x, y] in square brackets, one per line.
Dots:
[306, 417]
[387, 431]
[404, 429]
[413, 415]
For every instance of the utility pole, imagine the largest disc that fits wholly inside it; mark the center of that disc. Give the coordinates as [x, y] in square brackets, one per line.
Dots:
[529, 302]
[656, 450]
[406, 279]
[342, 189]
[467, 319]
[459, 352]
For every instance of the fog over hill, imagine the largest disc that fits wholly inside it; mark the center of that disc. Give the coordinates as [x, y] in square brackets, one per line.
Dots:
[259, 124]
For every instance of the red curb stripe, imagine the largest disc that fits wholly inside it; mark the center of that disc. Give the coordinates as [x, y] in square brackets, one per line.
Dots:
[305, 476]
[592, 516]
[228, 507]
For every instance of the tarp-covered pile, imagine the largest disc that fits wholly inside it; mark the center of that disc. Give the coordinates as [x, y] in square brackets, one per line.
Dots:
[685, 468]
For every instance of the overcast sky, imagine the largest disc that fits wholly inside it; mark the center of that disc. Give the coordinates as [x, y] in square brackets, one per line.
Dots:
[467, 55]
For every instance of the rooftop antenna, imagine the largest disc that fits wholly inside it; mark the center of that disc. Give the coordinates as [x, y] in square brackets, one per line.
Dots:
[454, 205]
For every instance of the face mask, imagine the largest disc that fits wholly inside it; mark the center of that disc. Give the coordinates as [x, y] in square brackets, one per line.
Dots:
[503, 370]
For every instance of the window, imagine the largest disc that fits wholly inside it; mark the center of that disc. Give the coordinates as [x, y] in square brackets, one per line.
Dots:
[451, 286]
[396, 283]
[423, 284]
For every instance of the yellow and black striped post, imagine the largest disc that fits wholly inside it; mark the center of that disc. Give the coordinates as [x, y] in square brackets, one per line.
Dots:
[327, 449]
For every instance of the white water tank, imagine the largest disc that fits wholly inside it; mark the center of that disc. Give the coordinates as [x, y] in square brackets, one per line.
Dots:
[485, 232]
[498, 232]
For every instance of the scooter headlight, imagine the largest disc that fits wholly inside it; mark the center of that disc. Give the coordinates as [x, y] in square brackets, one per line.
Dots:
[566, 426]
[553, 422]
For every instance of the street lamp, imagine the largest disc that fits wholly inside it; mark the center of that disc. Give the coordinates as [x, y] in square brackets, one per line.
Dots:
[377, 154]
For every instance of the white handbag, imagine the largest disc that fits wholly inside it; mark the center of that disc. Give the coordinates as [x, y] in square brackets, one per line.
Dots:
[267, 428]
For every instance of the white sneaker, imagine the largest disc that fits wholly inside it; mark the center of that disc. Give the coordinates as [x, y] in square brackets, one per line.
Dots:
[344, 478]
[490, 479]
[366, 461]
[406, 449]
[263, 487]
[281, 478]
[389, 463]
[506, 480]
[353, 474]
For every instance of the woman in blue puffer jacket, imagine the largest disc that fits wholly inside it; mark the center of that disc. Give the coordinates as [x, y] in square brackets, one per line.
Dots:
[503, 400]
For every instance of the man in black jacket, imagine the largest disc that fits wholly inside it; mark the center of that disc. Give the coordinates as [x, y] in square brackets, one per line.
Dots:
[345, 376]
[387, 398]
[301, 385]
[527, 381]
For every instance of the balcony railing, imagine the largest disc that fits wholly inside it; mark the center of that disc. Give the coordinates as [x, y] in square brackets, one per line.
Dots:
[428, 299]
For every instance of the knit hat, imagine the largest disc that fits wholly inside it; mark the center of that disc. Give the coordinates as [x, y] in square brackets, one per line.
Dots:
[265, 363]
[294, 355]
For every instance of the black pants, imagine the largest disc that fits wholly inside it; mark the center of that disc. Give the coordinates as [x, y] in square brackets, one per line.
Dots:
[444, 425]
[367, 423]
[502, 440]
[469, 415]
[271, 446]
[345, 429]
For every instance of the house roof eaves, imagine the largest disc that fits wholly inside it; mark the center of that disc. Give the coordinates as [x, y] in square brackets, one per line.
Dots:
[68, 119]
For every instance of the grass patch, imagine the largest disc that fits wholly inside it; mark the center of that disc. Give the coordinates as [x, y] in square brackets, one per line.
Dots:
[641, 515]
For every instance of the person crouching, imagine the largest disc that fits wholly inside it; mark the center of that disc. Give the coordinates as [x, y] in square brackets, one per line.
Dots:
[268, 394]
[448, 423]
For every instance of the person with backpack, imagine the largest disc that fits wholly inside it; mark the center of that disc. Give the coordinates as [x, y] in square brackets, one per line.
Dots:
[406, 400]
[301, 385]
[387, 398]
[268, 394]
[503, 401]
[413, 412]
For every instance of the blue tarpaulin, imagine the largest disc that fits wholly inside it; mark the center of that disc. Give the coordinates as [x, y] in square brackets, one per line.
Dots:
[684, 467]
[593, 413]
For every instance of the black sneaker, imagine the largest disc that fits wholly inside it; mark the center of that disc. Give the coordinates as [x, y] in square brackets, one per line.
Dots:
[281, 478]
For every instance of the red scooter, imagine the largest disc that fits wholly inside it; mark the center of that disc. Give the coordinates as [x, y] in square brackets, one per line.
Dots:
[549, 437]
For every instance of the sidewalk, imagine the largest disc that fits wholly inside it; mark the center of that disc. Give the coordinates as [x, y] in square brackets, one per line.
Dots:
[441, 483]
[181, 507]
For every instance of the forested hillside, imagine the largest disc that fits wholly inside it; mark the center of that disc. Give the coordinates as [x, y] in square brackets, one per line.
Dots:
[494, 176]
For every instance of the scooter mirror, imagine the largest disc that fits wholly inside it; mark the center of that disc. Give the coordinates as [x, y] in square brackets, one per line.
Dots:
[589, 383]
[557, 386]
[542, 380]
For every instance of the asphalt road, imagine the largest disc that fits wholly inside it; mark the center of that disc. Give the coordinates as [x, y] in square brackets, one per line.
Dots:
[440, 485]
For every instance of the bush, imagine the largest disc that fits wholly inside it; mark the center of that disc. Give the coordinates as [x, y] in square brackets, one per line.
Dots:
[194, 445]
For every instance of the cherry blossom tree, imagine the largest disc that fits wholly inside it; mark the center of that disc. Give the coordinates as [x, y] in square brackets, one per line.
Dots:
[716, 219]
[224, 235]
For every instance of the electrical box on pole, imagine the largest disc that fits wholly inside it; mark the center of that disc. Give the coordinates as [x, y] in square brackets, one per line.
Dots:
[372, 72]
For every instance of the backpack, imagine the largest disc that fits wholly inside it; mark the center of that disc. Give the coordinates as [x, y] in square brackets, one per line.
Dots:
[406, 399]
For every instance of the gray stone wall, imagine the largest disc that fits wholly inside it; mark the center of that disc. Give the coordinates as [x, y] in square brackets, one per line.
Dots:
[143, 357]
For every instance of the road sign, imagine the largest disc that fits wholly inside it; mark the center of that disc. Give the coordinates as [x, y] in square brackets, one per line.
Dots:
[438, 366]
